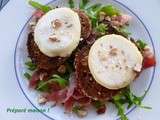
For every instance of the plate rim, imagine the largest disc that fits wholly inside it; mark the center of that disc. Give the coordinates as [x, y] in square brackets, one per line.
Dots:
[1, 4]
[52, 1]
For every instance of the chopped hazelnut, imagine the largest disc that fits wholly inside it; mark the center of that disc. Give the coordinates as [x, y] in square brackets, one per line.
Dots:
[41, 77]
[56, 24]
[107, 18]
[137, 67]
[42, 100]
[99, 93]
[62, 69]
[82, 113]
[53, 38]
[113, 52]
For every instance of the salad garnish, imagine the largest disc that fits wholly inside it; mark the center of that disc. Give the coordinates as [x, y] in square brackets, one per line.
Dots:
[44, 8]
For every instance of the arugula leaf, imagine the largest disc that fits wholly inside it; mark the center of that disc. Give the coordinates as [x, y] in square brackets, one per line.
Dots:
[110, 10]
[95, 7]
[39, 6]
[43, 86]
[93, 18]
[102, 28]
[121, 110]
[127, 97]
[83, 4]
[97, 104]
[55, 78]
[92, 12]
[123, 31]
[141, 44]
[62, 82]
[76, 108]
[71, 4]
[27, 75]
[31, 66]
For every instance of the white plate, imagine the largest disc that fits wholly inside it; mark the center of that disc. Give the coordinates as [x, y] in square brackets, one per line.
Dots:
[137, 28]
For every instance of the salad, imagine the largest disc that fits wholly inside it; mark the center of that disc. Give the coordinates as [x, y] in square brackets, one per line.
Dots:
[81, 57]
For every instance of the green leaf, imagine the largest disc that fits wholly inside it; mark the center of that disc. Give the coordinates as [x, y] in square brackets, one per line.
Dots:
[93, 18]
[123, 31]
[43, 86]
[92, 12]
[31, 66]
[95, 7]
[98, 104]
[127, 97]
[61, 81]
[102, 28]
[76, 109]
[83, 4]
[39, 6]
[71, 3]
[120, 107]
[27, 75]
[110, 10]
[141, 44]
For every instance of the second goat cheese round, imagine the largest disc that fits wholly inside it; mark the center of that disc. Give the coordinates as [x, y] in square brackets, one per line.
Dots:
[114, 61]
[58, 32]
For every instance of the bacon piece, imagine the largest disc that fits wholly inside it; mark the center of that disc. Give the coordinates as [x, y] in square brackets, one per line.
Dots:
[57, 96]
[71, 87]
[69, 104]
[63, 95]
[120, 20]
[77, 95]
[38, 14]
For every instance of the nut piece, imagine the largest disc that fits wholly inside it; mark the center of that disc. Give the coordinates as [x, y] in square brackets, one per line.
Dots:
[82, 113]
[53, 38]
[137, 68]
[56, 24]
[42, 100]
[62, 69]
[113, 52]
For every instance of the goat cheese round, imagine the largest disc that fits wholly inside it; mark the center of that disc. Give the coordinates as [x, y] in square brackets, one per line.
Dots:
[114, 61]
[58, 32]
